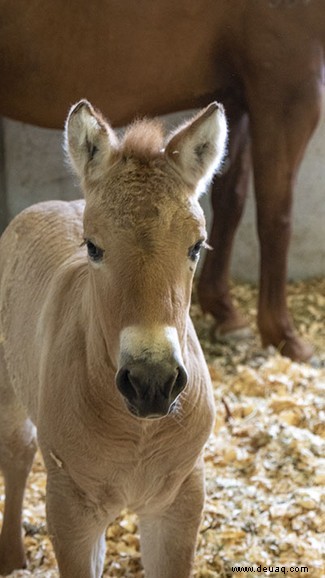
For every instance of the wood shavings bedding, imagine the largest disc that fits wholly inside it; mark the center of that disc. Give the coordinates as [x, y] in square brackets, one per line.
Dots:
[265, 462]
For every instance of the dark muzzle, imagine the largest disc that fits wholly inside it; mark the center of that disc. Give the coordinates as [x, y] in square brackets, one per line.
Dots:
[150, 389]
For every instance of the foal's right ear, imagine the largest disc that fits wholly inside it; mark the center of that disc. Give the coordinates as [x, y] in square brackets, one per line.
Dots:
[90, 142]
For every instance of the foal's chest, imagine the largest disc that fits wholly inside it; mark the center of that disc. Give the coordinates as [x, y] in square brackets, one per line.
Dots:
[143, 475]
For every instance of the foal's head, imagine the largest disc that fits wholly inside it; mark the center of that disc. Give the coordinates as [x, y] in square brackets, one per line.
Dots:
[144, 229]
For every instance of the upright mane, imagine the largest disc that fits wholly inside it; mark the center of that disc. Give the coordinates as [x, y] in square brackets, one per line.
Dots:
[144, 139]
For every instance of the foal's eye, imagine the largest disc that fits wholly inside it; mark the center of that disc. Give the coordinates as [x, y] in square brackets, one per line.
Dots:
[94, 252]
[194, 251]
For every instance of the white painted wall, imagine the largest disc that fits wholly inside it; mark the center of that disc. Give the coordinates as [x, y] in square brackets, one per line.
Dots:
[34, 170]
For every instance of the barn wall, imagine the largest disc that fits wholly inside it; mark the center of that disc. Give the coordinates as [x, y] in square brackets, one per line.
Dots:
[33, 169]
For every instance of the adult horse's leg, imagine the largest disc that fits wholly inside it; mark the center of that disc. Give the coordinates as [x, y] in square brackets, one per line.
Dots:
[168, 537]
[280, 129]
[3, 185]
[228, 197]
[17, 450]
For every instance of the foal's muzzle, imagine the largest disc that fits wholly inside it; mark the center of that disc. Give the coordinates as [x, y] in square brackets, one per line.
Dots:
[150, 389]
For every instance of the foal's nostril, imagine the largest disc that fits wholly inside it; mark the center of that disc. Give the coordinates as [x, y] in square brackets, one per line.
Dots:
[125, 384]
[180, 381]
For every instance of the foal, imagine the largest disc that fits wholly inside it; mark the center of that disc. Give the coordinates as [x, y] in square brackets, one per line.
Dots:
[98, 350]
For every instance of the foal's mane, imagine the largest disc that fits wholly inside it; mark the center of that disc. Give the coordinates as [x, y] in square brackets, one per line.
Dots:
[144, 139]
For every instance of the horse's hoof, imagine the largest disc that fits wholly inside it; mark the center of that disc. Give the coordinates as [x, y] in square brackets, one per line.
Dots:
[228, 333]
[10, 562]
[296, 349]
[291, 346]
[7, 567]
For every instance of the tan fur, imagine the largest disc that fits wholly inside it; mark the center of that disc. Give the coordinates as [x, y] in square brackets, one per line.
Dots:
[62, 318]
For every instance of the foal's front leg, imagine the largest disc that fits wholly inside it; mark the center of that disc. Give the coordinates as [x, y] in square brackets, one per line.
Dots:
[76, 528]
[168, 538]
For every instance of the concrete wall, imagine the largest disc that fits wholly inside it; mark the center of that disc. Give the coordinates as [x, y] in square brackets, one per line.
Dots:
[33, 169]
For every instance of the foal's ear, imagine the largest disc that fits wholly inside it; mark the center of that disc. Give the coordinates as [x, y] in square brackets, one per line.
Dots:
[196, 149]
[89, 141]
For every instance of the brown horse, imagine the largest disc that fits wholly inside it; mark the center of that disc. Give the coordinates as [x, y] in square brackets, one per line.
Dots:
[99, 352]
[262, 58]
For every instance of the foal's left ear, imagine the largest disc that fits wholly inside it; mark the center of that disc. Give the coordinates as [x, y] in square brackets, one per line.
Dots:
[89, 140]
[196, 149]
